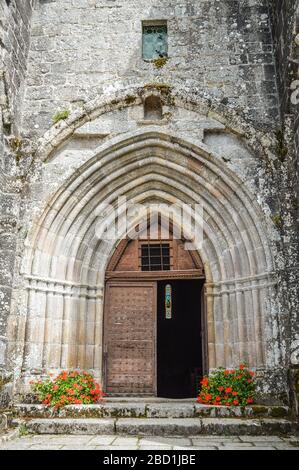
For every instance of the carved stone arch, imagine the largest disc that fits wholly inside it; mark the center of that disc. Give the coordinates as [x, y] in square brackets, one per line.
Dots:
[66, 263]
[136, 95]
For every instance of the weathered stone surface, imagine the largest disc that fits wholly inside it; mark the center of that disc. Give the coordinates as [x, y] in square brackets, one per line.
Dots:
[175, 410]
[111, 442]
[151, 409]
[108, 410]
[231, 427]
[70, 426]
[227, 93]
[160, 427]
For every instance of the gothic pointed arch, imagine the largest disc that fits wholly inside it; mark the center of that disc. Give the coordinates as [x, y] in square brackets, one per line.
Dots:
[65, 262]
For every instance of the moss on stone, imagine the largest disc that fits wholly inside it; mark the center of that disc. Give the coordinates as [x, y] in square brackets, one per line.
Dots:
[281, 149]
[16, 145]
[259, 410]
[4, 381]
[160, 62]
[60, 116]
[277, 220]
[162, 87]
[130, 99]
[278, 412]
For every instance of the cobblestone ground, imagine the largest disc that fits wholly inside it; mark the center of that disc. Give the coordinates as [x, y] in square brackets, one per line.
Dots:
[71, 442]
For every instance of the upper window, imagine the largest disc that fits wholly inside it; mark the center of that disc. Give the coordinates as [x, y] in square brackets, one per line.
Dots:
[155, 257]
[155, 43]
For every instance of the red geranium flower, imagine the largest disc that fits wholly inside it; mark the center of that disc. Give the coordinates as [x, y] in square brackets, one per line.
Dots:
[204, 381]
[228, 390]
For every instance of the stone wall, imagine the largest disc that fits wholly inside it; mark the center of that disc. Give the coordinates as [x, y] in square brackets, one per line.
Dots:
[15, 19]
[285, 22]
[82, 49]
[285, 28]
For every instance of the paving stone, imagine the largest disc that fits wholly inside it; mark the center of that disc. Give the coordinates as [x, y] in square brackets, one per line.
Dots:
[291, 438]
[125, 441]
[162, 447]
[286, 446]
[234, 446]
[46, 447]
[238, 445]
[207, 446]
[174, 441]
[249, 448]
[78, 447]
[102, 440]
[266, 443]
[116, 447]
[112, 442]
[217, 439]
[261, 438]
[70, 438]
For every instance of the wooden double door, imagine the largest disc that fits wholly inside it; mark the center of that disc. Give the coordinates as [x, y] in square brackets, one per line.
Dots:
[148, 351]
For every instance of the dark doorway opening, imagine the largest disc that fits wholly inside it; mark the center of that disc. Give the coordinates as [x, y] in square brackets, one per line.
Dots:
[179, 348]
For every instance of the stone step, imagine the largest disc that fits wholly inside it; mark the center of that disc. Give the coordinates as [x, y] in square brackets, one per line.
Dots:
[161, 409]
[159, 426]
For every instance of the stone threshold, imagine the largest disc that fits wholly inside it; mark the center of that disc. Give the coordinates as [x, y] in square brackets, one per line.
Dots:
[158, 426]
[151, 409]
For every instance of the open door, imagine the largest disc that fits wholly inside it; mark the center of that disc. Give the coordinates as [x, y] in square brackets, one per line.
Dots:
[179, 338]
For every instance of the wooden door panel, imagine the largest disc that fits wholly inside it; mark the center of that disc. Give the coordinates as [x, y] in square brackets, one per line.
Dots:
[130, 332]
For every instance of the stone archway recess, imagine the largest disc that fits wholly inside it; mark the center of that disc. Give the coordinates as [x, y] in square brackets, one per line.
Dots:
[66, 262]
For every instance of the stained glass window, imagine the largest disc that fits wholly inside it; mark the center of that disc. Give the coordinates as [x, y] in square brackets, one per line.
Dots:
[155, 41]
[168, 302]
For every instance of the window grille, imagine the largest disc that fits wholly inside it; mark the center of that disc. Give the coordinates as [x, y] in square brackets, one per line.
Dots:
[155, 257]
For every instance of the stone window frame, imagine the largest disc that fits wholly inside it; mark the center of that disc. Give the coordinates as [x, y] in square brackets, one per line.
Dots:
[153, 23]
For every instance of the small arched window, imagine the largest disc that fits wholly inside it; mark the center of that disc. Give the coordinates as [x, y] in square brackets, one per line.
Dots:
[153, 108]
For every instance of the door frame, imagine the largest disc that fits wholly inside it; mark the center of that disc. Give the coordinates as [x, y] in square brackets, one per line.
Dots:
[151, 279]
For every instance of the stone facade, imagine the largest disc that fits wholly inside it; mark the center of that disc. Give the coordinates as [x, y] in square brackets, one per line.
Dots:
[227, 137]
[285, 29]
[15, 27]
